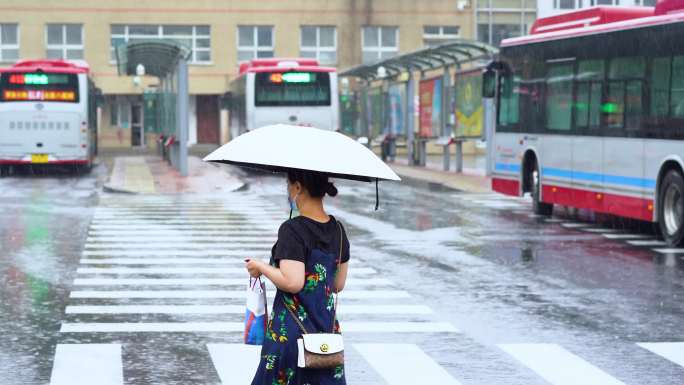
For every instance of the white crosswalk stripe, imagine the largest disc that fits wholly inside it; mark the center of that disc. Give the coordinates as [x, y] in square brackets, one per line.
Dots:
[87, 364]
[235, 363]
[558, 366]
[673, 351]
[404, 364]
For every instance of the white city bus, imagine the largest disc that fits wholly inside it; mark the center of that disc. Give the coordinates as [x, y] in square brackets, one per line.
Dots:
[591, 114]
[292, 91]
[47, 115]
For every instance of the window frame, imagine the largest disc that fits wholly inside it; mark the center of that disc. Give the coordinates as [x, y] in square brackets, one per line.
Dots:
[64, 47]
[256, 48]
[10, 46]
[317, 49]
[440, 37]
[379, 49]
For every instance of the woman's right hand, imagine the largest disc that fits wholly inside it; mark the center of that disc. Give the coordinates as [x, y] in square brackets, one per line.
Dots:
[253, 267]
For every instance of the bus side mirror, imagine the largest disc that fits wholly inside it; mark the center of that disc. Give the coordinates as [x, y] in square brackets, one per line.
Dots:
[489, 84]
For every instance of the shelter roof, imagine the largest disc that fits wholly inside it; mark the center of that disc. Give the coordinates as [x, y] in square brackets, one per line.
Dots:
[158, 56]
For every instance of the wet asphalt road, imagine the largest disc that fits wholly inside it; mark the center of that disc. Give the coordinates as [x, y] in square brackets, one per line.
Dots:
[496, 296]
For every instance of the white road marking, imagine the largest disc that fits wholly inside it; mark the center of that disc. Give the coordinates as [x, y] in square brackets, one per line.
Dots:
[179, 253]
[228, 327]
[670, 251]
[235, 363]
[404, 364]
[574, 225]
[234, 309]
[188, 221]
[239, 294]
[624, 236]
[190, 270]
[554, 220]
[164, 261]
[203, 281]
[147, 233]
[156, 309]
[87, 364]
[201, 239]
[558, 366]
[650, 242]
[673, 351]
[153, 228]
[239, 244]
[600, 230]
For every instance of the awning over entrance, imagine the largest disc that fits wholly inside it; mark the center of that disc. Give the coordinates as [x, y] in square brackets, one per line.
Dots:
[159, 57]
[455, 53]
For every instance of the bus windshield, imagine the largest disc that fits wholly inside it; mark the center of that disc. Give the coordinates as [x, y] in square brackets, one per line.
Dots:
[292, 89]
[38, 87]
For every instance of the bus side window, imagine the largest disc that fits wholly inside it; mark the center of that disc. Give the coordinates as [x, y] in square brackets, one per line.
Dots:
[623, 107]
[559, 97]
[509, 107]
[661, 69]
[589, 87]
[677, 97]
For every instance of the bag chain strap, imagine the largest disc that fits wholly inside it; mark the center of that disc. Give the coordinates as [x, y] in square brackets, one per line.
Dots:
[337, 295]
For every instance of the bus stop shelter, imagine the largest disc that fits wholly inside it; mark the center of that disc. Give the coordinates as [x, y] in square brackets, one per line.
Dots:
[460, 57]
[167, 108]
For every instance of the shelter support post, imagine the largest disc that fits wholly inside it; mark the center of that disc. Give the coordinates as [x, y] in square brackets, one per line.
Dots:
[444, 119]
[183, 116]
[490, 123]
[459, 156]
[411, 119]
[365, 121]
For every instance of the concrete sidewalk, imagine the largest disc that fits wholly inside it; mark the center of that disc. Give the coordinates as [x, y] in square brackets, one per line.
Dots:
[149, 174]
[472, 179]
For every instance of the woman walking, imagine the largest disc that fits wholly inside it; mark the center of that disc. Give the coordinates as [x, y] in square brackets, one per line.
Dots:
[309, 265]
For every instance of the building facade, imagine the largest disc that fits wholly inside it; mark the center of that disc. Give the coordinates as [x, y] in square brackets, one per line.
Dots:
[220, 34]
[496, 20]
[555, 7]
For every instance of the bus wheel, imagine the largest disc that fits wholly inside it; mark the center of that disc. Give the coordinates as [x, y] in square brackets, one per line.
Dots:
[671, 208]
[538, 206]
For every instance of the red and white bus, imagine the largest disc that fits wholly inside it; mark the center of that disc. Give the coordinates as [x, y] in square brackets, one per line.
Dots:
[591, 114]
[47, 114]
[292, 91]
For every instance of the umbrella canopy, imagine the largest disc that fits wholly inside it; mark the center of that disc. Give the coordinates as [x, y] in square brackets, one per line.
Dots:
[282, 147]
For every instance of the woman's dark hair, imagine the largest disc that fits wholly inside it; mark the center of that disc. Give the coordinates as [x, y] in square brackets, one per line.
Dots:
[316, 183]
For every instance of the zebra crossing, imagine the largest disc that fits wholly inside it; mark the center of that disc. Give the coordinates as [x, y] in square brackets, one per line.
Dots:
[180, 271]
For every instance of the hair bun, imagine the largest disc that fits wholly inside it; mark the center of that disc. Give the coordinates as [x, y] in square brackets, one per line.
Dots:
[331, 190]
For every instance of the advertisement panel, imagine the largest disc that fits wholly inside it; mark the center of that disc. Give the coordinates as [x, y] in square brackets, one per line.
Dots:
[430, 92]
[469, 109]
[397, 106]
[376, 111]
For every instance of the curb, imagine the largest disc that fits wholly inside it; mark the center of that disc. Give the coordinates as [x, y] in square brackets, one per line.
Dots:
[422, 183]
[115, 190]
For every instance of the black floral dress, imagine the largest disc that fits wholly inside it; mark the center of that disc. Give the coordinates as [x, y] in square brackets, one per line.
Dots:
[317, 245]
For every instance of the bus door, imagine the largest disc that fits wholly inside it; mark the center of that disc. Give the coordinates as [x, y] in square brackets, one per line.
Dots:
[587, 146]
[556, 163]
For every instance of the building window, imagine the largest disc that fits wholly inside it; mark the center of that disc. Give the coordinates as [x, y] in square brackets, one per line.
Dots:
[605, 2]
[435, 35]
[647, 3]
[9, 42]
[319, 43]
[565, 4]
[197, 38]
[64, 41]
[254, 42]
[379, 43]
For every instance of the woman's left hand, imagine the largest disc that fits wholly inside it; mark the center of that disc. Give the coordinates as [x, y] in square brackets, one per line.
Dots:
[254, 267]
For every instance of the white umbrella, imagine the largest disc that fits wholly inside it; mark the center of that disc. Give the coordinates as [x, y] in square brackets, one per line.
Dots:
[283, 147]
